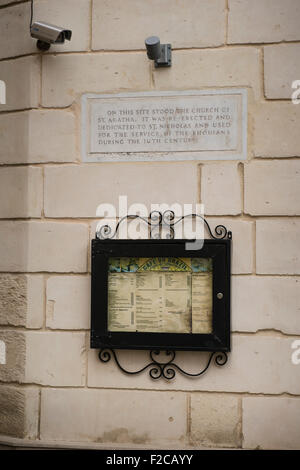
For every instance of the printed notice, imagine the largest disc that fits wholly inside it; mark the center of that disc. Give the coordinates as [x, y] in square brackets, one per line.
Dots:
[153, 301]
[168, 295]
[181, 125]
[121, 302]
[202, 303]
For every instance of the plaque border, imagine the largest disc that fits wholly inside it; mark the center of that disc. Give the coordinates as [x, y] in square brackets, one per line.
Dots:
[165, 155]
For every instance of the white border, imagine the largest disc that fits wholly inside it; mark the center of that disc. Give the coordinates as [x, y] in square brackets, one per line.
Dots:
[163, 156]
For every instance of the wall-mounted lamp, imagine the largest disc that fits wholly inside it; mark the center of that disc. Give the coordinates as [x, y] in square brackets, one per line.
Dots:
[160, 53]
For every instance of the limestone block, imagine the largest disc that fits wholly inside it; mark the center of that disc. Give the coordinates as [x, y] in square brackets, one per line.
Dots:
[215, 420]
[256, 364]
[22, 78]
[272, 188]
[21, 300]
[19, 408]
[281, 68]
[21, 192]
[221, 189]
[242, 242]
[265, 303]
[254, 21]
[194, 23]
[64, 80]
[157, 183]
[84, 415]
[13, 369]
[271, 423]
[52, 136]
[276, 130]
[15, 37]
[277, 246]
[229, 67]
[38, 136]
[43, 246]
[68, 302]
[55, 358]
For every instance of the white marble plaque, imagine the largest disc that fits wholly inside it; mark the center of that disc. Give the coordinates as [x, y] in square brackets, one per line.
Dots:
[159, 126]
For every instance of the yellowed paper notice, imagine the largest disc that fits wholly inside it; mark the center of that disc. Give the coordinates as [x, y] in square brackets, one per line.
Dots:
[150, 302]
[121, 302]
[202, 303]
[177, 302]
[160, 294]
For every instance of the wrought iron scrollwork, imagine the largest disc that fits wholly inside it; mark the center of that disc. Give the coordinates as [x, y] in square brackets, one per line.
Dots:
[157, 221]
[166, 369]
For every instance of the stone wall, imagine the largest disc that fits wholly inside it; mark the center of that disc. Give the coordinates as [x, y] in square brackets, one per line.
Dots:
[53, 389]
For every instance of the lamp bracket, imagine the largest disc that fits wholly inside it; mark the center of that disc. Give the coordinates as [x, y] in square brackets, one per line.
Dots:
[165, 59]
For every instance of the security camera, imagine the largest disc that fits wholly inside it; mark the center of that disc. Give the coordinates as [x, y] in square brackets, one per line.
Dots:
[48, 34]
[160, 53]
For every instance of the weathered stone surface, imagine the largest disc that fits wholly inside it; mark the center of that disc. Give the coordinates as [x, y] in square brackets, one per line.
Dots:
[12, 411]
[15, 38]
[52, 136]
[102, 73]
[272, 188]
[43, 246]
[253, 366]
[277, 246]
[21, 192]
[19, 411]
[22, 78]
[68, 302]
[35, 301]
[55, 358]
[281, 68]
[276, 130]
[215, 420]
[201, 24]
[14, 133]
[242, 246]
[63, 199]
[21, 300]
[13, 249]
[38, 136]
[13, 370]
[13, 299]
[229, 67]
[254, 21]
[271, 423]
[258, 303]
[221, 189]
[84, 415]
